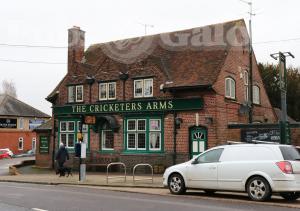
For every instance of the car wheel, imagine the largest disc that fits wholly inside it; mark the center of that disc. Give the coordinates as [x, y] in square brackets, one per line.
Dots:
[176, 184]
[258, 189]
[209, 192]
[290, 196]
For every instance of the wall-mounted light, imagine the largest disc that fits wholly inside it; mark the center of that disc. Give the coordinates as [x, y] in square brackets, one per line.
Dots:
[178, 122]
[123, 76]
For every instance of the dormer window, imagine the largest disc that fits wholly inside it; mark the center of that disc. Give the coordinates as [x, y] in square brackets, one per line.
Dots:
[143, 88]
[107, 91]
[75, 93]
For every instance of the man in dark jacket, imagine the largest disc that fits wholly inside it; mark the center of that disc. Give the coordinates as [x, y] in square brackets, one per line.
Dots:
[61, 157]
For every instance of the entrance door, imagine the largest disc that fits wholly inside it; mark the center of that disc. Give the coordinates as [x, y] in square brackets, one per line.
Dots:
[198, 141]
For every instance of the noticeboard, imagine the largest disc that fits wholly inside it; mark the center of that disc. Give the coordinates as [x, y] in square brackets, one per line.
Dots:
[44, 144]
[268, 135]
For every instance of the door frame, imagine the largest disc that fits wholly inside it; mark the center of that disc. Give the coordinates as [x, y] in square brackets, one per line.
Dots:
[190, 138]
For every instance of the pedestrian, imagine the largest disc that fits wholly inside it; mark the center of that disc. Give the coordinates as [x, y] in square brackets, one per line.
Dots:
[61, 157]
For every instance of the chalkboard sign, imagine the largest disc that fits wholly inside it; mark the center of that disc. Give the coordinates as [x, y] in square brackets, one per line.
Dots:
[8, 123]
[268, 135]
[44, 144]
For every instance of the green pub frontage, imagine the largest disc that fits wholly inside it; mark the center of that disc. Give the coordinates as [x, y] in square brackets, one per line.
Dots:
[163, 108]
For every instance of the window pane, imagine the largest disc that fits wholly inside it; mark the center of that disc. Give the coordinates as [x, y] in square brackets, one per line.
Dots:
[232, 88]
[112, 90]
[71, 126]
[246, 78]
[108, 139]
[102, 91]
[63, 138]
[63, 126]
[71, 139]
[142, 125]
[246, 94]
[227, 87]
[79, 93]
[71, 94]
[131, 125]
[154, 124]
[148, 87]
[211, 156]
[256, 96]
[141, 140]
[131, 141]
[154, 140]
[138, 88]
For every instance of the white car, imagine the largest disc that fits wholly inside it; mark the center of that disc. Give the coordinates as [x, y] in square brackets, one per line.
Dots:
[258, 169]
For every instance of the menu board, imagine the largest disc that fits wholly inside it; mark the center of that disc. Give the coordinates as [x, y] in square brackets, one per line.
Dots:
[44, 144]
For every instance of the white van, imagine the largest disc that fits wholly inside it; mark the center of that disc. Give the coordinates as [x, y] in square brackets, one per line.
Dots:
[258, 169]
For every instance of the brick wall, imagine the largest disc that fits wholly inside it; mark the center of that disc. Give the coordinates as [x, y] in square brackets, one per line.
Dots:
[10, 139]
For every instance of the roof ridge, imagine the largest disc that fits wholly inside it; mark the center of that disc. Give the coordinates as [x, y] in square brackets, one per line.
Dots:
[181, 30]
[31, 107]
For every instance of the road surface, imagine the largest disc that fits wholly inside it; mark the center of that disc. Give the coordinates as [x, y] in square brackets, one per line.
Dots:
[18, 196]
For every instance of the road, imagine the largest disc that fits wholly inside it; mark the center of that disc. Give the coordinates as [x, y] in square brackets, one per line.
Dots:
[18, 196]
[5, 163]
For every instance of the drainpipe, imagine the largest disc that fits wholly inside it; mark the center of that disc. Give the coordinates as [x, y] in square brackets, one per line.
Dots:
[53, 148]
[174, 139]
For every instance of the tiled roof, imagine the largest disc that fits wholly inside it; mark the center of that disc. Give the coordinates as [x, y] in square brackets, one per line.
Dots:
[185, 67]
[10, 106]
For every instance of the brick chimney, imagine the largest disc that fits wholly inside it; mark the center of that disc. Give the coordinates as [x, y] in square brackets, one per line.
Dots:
[75, 46]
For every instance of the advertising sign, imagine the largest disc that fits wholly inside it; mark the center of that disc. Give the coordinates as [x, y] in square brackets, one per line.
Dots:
[8, 123]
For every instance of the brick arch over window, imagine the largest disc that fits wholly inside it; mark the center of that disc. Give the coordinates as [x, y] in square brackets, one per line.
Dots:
[230, 88]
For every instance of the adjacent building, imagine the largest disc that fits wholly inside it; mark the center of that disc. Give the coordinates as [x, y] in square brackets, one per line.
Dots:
[173, 102]
[17, 120]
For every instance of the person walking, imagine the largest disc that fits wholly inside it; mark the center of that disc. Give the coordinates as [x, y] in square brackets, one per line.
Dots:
[61, 157]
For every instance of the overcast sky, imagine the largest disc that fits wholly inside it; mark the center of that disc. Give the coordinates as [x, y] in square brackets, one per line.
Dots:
[36, 22]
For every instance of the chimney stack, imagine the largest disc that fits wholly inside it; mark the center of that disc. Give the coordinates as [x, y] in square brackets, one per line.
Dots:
[75, 46]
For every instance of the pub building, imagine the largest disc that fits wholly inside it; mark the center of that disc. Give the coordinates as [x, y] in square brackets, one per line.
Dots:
[163, 108]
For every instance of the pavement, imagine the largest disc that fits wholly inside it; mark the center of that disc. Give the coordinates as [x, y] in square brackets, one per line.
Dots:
[34, 175]
[5, 163]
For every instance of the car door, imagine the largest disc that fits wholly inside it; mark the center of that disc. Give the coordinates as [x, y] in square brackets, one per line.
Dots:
[203, 171]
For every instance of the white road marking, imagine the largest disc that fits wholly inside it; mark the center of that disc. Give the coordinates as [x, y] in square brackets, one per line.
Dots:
[38, 209]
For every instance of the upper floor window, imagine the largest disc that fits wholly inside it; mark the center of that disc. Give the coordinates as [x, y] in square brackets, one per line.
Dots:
[75, 93]
[107, 91]
[21, 123]
[230, 88]
[256, 95]
[143, 88]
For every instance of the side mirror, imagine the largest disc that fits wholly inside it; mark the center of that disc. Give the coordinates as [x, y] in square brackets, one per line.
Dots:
[194, 162]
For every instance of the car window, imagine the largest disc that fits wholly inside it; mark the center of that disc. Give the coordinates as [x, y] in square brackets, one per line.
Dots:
[210, 156]
[289, 153]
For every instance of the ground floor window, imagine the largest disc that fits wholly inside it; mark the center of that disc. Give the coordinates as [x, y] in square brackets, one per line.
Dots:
[21, 143]
[68, 131]
[143, 134]
[107, 137]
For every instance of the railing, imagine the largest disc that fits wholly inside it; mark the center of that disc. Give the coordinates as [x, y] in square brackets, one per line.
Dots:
[115, 177]
[142, 164]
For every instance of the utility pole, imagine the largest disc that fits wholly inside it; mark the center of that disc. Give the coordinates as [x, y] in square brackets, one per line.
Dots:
[250, 89]
[284, 124]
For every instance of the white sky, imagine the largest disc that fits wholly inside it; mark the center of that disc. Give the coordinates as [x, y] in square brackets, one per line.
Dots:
[36, 22]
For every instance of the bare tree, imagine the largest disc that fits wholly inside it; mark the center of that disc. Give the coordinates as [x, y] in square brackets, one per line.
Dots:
[8, 87]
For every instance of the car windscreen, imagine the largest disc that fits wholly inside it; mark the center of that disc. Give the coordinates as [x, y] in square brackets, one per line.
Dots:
[289, 153]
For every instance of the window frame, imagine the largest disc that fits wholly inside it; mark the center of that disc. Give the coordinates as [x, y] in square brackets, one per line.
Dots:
[76, 93]
[21, 123]
[21, 140]
[103, 141]
[107, 84]
[146, 132]
[254, 98]
[230, 88]
[143, 82]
